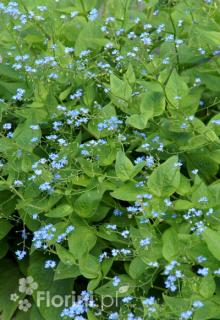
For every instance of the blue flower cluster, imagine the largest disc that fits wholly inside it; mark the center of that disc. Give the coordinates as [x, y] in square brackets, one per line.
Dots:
[173, 275]
[79, 307]
[48, 233]
[110, 124]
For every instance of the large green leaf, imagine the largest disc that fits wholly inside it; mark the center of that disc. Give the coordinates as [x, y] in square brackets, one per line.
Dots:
[23, 135]
[170, 248]
[89, 266]
[165, 179]
[9, 278]
[77, 246]
[123, 166]
[90, 37]
[212, 239]
[137, 268]
[120, 88]
[5, 227]
[61, 211]
[125, 287]
[127, 192]
[64, 271]
[87, 204]
[176, 88]
[44, 278]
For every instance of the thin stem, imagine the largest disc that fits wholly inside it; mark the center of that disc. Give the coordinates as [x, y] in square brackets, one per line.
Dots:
[176, 50]
[84, 9]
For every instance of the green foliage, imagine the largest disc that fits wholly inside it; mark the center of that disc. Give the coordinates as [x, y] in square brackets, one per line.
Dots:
[212, 239]
[165, 179]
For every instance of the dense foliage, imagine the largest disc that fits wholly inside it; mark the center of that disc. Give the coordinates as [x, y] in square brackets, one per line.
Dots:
[110, 154]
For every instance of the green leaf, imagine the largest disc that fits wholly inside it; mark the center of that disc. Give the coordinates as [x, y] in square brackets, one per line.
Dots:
[64, 271]
[200, 189]
[31, 314]
[215, 155]
[176, 87]
[210, 310]
[89, 266]
[130, 75]
[91, 316]
[8, 72]
[125, 287]
[23, 135]
[89, 95]
[207, 287]
[182, 205]
[11, 273]
[34, 113]
[152, 104]
[137, 168]
[170, 241]
[5, 227]
[3, 248]
[87, 204]
[105, 113]
[137, 268]
[208, 37]
[93, 284]
[44, 278]
[64, 94]
[165, 179]
[212, 239]
[120, 88]
[61, 211]
[89, 4]
[65, 256]
[90, 37]
[184, 186]
[177, 305]
[77, 246]
[203, 162]
[32, 35]
[139, 121]
[106, 266]
[127, 192]
[123, 166]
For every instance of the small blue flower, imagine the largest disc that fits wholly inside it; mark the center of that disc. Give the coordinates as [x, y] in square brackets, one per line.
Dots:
[19, 94]
[116, 281]
[93, 14]
[117, 212]
[203, 271]
[20, 254]
[145, 242]
[70, 229]
[197, 304]
[201, 259]
[149, 301]
[127, 299]
[186, 315]
[111, 226]
[7, 126]
[18, 183]
[149, 161]
[45, 187]
[113, 316]
[50, 264]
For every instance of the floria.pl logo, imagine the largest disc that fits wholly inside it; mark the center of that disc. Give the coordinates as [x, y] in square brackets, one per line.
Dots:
[28, 286]
[56, 301]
